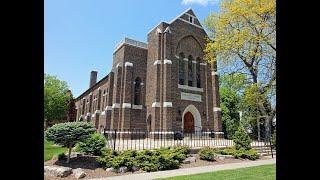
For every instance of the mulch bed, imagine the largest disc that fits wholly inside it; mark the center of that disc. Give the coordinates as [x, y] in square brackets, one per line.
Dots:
[93, 170]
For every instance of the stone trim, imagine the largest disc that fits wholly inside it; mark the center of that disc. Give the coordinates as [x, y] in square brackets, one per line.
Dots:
[194, 61]
[88, 114]
[158, 31]
[161, 132]
[186, 59]
[167, 104]
[131, 42]
[141, 84]
[191, 88]
[118, 65]
[167, 30]
[167, 61]
[190, 23]
[136, 106]
[116, 105]
[103, 113]
[203, 64]
[128, 64]
[157, 62]
[125, 132]
[108, 108]
[92, 115]
[156, 104]
[126, 105]
[97, 112]
[177, 56]
[215, 109]
[214, 73]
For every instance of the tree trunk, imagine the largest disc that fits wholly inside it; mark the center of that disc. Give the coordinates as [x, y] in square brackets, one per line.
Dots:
[69, 154]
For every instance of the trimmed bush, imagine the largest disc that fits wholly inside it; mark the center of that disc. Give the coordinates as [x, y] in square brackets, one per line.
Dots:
[92, 145]
[106, 157]
[207, 153]
[241, 153]
[69, 133]
[147, 160]
[246, 154]
[241, 139]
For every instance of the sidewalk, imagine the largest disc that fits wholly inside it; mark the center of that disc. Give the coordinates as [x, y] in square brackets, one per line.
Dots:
[188, 171]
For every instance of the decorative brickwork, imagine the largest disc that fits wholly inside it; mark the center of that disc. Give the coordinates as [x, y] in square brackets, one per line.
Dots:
[159, 101]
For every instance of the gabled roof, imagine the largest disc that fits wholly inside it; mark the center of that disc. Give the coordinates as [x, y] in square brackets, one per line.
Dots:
[188, 12]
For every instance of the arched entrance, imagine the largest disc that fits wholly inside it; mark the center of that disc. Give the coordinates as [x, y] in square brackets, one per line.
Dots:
[191, 119]
[188, 124]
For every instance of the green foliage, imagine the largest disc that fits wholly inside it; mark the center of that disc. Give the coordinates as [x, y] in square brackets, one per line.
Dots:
[229, 107]
[147, 160]
[246, 154]
[92, 145]
[207, 153]
[106, 157]
[56, 98]
[241, 139]
[69, 133]
[241, 153]
[61, 156]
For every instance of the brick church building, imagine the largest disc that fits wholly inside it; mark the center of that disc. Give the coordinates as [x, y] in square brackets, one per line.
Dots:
[162, 84]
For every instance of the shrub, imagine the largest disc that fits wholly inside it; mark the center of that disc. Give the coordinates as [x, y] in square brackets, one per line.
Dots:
[68, 134]
[207, 153]
[92, 145]
[241, 139]
[106, 157]
[241, 153]
[147, 160]
[61, 156]
[228, 151]
[246, 154]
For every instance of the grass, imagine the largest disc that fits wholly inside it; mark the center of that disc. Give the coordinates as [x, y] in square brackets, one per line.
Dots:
[265, 172]
[50, 149]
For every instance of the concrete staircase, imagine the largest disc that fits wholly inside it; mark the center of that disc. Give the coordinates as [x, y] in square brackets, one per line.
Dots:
[264, 150]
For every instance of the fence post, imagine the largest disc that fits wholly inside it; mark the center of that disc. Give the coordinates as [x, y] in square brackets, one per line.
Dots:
[271, 147]
[115, 138]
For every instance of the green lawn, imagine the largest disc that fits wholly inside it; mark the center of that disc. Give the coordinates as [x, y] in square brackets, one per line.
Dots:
[50, 149]
[265, 172]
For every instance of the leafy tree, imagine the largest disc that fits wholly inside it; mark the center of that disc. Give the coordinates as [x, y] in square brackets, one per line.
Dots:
[231, 86]
[92, 145]
[243, 40]
[68, 134]
[230, 115]
[241, 139]
[56, 98]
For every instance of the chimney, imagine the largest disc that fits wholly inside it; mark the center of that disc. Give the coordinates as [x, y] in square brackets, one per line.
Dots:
[93, 78]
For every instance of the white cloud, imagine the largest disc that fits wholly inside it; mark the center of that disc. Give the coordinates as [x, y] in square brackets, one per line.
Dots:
[200, 2]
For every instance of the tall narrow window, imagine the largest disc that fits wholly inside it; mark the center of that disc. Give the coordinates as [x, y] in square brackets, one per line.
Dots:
[190, 70]
[137, 89]
[198, 73]
[181, 69]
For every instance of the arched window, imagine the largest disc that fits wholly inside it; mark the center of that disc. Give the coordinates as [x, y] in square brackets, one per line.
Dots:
[198, 72]
[137, 91]
[190, 70]
[181, 69]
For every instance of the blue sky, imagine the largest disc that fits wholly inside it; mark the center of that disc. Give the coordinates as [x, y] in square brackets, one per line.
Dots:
[80, 35]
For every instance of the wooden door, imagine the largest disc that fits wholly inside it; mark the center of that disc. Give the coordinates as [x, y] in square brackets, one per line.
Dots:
[188, 122]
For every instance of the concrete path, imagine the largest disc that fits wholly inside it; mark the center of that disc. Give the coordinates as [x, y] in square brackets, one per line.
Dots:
[189, 171]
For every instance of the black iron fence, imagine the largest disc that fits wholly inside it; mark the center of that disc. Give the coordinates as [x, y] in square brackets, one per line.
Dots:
[138, 139]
